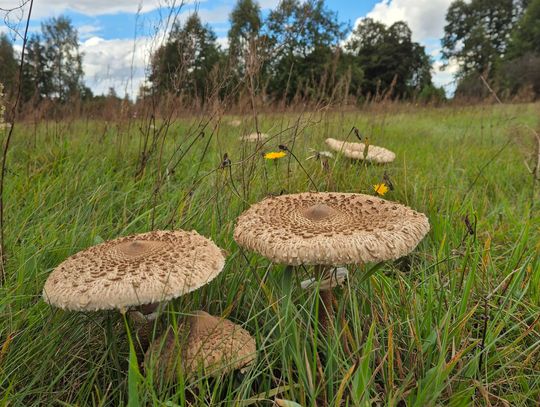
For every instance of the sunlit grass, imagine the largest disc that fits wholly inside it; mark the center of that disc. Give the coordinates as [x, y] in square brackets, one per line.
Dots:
[416, 331]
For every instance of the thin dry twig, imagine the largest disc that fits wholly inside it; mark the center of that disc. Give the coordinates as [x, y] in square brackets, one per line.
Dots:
[6, 148]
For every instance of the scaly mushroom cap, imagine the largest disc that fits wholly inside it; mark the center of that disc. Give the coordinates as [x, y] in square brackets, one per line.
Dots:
[356, 151]
[253, 137]
[326, 228]
[215, 345]
[134, 270]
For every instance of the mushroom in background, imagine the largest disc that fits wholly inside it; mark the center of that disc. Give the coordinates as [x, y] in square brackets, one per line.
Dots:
[318, 155]
[326, 230]
[255, 137]
[204, 343]
[357, 151]
[134, 274]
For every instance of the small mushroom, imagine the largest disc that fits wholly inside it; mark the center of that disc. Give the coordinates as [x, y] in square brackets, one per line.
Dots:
[255, 137]
[335, 278]
[326, 229]
[356, 151]
[318, 155]
[205, 343]
[134, 273]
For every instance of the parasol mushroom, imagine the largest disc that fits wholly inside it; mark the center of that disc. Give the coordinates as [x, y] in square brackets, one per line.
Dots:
[356, 151]
[327, 229]
[137, 271]
[205, 343]
[255, 137]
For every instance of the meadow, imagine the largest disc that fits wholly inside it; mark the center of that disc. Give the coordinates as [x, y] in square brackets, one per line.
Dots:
[455, 323]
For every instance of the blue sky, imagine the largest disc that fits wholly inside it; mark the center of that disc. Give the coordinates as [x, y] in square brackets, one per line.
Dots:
[118, 36]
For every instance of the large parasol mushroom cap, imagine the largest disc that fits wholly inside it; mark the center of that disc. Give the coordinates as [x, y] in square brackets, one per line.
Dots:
[326, 228]
[134, 270]
[214, 345]
[356, 151]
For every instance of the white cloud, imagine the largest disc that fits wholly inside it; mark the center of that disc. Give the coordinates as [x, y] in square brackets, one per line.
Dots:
[425, 17]
[88, 30]
[444, 76]
[49, 8]
[436, 52]
[268, 4]
[117, 63]
[223, 41]
[208, 16]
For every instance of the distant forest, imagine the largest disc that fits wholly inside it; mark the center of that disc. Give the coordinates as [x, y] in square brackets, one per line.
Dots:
[301, 53]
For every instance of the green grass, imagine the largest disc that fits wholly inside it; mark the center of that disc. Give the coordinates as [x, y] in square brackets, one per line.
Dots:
[417, 328]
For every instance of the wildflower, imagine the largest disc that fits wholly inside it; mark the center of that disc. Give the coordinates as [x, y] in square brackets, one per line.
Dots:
[275, 155]
[380, 189]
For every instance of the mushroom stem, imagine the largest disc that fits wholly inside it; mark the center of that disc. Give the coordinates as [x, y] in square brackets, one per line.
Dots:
[143, 318]
[326, 297]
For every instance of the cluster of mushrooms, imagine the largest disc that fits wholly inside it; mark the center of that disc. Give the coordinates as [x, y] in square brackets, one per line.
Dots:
[138, 274]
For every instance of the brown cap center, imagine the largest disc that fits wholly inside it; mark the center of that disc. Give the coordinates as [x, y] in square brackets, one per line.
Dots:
[138, 248]
[318, 212]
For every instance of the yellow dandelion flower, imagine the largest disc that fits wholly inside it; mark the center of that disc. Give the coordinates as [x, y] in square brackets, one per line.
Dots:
[275, 154]
[380, 189]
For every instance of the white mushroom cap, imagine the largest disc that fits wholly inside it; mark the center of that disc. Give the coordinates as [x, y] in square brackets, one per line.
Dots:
[356, 151]
[326, 228]
[134, 270]
[214, 345]
[254, 137]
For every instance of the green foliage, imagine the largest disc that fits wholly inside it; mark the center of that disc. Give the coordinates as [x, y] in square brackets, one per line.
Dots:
[184, 65]
[476, 33]
[296, 27]
[53, 64]
[37, 81]
[304, 41]
[497, 39]
[8, 62]
[525, 38]
[248, 50]
[389, 58]
[520, 71]
[246, 22]
[432, 94]
[521, 74]
[64, 62]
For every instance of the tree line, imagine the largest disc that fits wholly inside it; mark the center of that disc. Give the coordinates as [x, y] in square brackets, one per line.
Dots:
[52, 66]
[494, 40]
[301, 52]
